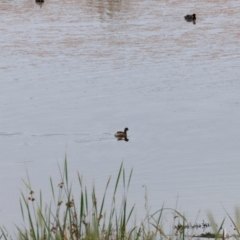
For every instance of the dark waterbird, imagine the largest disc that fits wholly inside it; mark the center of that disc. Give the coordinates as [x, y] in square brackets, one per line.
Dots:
[122, 135]
[191, 18]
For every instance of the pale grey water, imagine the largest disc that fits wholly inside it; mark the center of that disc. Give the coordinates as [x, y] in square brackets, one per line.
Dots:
[75, 72]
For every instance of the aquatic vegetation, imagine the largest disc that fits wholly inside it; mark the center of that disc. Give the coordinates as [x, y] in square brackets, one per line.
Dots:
[66, 217]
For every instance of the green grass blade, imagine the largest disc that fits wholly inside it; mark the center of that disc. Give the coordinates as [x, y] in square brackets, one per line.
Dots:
[158, 221]
[86, 200]
[103, 200]
[40, 200]
[173, 210]
[3, 234]
[66, 170]
[118, 177]
[130, 213]
[81, 212]
[212, 222]
[159, 230]
[21, 209]
[235, 226]
[220, 228]
[237, 217]
[129, 179]
[123, 176]
[26, 184]
[52, 188]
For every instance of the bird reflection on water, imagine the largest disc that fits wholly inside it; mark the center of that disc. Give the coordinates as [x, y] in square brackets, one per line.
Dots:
[39, 2]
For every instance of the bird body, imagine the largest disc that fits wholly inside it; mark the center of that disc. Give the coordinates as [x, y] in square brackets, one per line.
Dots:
[122, 135]
[190, 18]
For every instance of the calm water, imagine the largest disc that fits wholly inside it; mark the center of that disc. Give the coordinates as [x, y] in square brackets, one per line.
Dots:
[74, 72]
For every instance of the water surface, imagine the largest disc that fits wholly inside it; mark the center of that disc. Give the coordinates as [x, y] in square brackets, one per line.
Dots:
[74, 72]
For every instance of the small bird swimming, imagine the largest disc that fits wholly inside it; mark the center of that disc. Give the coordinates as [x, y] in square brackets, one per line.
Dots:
[122, 135]
[190, 18]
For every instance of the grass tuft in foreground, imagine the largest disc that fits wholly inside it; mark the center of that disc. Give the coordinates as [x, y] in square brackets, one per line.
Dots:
[85, 218]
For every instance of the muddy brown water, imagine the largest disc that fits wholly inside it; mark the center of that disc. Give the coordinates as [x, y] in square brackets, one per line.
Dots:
[74, 72]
